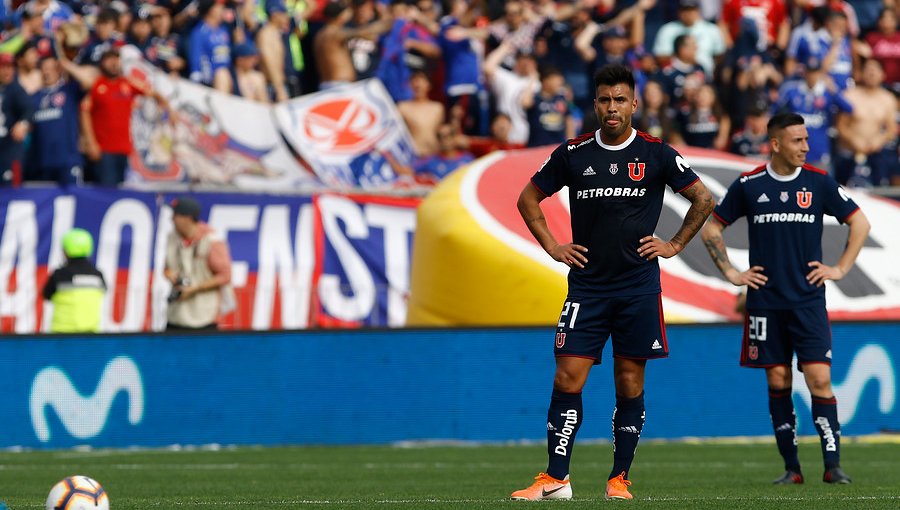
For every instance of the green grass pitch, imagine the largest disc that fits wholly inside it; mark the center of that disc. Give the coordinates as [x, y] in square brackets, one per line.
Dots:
[665, 475]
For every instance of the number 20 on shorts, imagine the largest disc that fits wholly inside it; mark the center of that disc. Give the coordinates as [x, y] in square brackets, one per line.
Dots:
[756, 328]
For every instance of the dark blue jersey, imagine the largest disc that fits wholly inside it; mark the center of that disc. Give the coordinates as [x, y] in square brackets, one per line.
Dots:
[54, 132]
[15, 106]
[615, 198]
[784, 214]
[547, 119]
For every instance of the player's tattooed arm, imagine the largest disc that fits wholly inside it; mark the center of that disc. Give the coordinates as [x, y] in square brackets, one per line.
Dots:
[701, 206]
[715, 246]
[529, 205]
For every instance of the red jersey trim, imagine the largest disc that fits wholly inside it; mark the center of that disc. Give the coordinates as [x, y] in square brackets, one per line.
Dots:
[807, 166]
[851, 214]
[689, 185]
[722, 220]
[662, 323]
[648, 137]
[754, 171]
[539, 188]
[582, 356]
[580, 138]
[751, 365]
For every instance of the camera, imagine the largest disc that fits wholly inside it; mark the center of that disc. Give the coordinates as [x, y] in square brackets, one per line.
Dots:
[176, 289]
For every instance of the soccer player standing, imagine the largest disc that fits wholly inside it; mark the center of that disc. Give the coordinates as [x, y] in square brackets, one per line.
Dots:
[616, 178]
[784, 202]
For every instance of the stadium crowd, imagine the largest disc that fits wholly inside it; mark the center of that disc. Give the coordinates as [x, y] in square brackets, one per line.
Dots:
[469, 76]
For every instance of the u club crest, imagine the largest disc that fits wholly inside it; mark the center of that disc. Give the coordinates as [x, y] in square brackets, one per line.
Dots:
[804, 199]
[636, 171]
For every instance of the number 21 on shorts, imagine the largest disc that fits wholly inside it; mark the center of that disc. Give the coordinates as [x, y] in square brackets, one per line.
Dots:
[569, 307]
[756, 328]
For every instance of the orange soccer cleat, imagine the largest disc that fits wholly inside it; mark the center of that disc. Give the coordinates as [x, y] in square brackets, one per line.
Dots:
[545, 487]
[617, 488]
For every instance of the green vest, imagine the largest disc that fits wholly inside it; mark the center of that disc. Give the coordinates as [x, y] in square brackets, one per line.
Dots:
[76, 309]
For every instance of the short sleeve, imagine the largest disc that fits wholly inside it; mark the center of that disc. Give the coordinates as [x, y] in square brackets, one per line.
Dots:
[551, 177]
[678, 172]
[837, 202]
[731, 207]
[50, 286]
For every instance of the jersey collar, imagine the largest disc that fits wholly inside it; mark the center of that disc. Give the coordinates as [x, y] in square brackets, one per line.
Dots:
[615, 147]
[782, 178]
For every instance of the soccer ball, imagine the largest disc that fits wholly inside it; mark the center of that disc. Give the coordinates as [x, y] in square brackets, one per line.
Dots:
[77, 493]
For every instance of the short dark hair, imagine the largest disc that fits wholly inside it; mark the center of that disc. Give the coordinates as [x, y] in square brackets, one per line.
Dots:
[782, 120]
[107, 15]
[679, 42]
[547, 71]
[333, 10]
[613, 74]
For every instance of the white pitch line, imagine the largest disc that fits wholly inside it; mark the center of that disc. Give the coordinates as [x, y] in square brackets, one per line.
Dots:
[831, 498]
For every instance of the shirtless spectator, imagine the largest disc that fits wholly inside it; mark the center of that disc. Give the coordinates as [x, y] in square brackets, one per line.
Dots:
[867, 137]
[277, 59]
[246, 80]
[422, 115]
[330, 47]
[332, 51]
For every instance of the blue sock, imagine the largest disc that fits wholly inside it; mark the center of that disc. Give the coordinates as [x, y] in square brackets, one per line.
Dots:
[784, 422]
[563, 420]
[824, 412]
[627, 423]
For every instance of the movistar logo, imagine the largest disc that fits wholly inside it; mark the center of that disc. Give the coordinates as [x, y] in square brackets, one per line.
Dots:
[84, 416]
[872, 362]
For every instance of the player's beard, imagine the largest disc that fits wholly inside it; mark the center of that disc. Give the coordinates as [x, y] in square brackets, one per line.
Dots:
[618, 130]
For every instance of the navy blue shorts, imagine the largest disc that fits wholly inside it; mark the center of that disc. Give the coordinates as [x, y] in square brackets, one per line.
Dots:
[635, 323]
[771, 337]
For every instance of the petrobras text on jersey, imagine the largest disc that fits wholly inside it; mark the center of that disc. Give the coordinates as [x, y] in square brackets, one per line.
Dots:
[784, 218]
[298, 262]
[610, 192]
